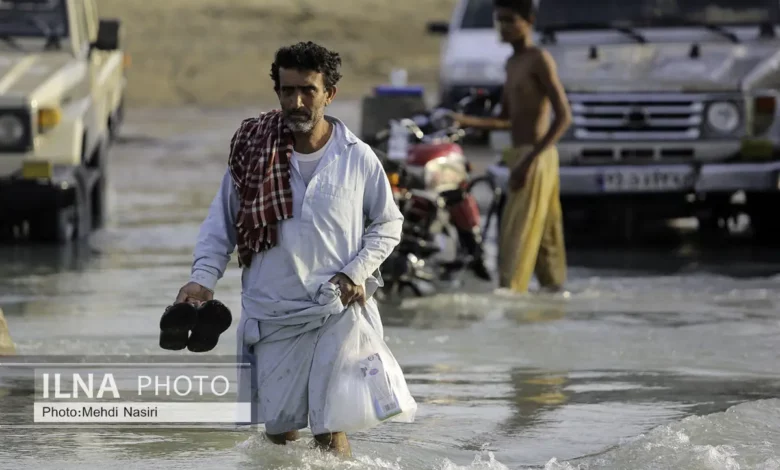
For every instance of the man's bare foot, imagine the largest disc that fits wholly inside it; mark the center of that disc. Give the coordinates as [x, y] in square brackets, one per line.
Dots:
[282, 439]
[335, 442]
[554, 290]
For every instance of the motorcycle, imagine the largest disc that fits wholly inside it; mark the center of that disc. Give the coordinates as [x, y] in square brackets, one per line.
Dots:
[496, 184]
[429, 174]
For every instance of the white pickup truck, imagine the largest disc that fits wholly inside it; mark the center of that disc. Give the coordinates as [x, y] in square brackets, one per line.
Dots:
[62, 82]
[675, 103]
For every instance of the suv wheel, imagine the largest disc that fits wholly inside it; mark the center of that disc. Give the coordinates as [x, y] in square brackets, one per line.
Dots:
[59, 226]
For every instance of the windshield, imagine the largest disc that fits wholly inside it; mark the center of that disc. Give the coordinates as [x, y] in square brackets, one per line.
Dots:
[33, 18]
[478, 14]
[559, 13]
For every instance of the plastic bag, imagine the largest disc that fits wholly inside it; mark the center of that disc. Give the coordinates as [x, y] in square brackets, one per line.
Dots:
[367, 386]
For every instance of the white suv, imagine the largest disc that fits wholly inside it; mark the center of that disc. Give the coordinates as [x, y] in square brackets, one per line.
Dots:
[472, 54]
[676, 105]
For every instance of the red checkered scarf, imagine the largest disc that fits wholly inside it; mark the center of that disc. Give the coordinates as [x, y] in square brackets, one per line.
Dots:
[259, 160]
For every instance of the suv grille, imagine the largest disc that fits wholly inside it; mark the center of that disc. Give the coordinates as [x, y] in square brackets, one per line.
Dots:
[623, 117]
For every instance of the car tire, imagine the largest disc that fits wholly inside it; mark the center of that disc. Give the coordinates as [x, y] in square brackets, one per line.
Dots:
[765, 227]
[65, 224]
[59, 226]
[712, 228]
[99, 206]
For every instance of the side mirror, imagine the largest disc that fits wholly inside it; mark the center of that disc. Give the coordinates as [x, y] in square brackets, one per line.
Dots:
[108, 35]
[438, 27]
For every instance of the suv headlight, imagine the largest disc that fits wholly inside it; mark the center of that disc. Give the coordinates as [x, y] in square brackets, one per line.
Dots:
[723, 117]
[11, 130]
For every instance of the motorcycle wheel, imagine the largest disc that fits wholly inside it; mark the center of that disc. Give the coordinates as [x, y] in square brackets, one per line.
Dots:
[489, 200]
[384, 296]
[389, 295]
[483, 189]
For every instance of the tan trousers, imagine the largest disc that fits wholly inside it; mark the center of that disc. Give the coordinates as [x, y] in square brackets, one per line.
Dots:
[531, 238]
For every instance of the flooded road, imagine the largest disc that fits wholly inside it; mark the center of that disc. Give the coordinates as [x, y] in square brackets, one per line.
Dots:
[663, 358]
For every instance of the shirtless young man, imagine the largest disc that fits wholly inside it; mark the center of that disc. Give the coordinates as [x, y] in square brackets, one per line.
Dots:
[531, 236]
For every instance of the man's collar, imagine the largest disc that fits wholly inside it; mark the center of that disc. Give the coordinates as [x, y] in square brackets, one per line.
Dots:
[342, 129]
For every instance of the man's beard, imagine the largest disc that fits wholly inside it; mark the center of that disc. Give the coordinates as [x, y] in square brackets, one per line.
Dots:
[300, 122]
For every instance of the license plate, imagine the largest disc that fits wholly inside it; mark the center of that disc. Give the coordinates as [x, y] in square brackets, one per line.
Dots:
[37, 170]
[650, 180]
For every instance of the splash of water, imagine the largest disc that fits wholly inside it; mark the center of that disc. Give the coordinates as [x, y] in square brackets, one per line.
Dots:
[484, 460]
[743, 437]
[302, 455]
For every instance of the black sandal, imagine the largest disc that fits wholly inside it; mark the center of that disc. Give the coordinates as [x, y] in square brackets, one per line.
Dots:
[213, 319]
[175, 326]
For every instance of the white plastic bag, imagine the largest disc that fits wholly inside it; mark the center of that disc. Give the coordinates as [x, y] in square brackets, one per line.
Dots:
[367, 386]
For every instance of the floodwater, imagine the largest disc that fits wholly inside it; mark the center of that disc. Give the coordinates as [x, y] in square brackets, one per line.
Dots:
[665, 358]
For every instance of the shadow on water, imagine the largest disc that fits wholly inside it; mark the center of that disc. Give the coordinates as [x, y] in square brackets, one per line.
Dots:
[537, 392]
[732, 261]
[668, 249]
[739, 260]
[445, 312]
[33, 259]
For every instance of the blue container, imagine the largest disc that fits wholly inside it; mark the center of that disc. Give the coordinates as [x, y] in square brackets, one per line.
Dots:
[389, 90]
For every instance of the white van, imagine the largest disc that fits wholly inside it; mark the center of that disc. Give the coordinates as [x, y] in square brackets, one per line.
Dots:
[472, 54]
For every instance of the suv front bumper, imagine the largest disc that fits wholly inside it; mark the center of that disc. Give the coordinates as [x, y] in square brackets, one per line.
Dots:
[624, 167]
[649, 179]
[21, 197]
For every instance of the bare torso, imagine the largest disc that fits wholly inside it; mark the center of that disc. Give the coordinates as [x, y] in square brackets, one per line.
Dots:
[528, 108]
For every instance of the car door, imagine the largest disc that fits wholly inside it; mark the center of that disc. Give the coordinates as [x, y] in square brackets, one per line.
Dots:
[109, 66]
[80, 25]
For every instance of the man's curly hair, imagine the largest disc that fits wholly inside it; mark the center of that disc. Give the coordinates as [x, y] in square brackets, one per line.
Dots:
[308, 56]
[524, 8]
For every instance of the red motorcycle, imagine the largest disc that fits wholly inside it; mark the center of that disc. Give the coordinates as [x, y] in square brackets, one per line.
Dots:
[429, 174]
